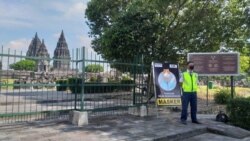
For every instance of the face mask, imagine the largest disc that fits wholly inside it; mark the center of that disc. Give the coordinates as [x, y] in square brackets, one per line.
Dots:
[191, 67]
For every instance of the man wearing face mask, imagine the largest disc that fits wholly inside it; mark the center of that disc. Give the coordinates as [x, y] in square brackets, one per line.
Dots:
[189, 83]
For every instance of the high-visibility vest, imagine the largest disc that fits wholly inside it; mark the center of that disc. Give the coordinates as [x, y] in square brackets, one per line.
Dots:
[190, 82]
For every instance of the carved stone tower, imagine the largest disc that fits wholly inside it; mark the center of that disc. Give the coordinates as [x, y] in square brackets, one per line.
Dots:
[43, 63]
[38, 49]
[34, 46]
[61, 52]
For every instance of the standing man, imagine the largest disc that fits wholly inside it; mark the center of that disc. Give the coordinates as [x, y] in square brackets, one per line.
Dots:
[189, 82]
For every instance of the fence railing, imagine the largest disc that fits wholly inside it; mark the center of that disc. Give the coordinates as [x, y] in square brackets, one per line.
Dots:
[45, 93]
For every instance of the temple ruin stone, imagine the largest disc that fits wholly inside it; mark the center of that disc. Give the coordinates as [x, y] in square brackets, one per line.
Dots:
[62, 53]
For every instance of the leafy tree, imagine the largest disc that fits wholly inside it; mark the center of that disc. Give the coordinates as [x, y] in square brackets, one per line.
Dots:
[28, 65]
[245, 64]
[102, 14]
[166, 30]
[94, 68]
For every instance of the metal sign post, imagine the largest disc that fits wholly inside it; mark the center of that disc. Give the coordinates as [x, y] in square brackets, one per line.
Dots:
[232, 86]
[207, 89]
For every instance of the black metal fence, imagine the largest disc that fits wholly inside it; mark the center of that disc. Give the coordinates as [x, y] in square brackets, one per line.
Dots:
[89, 84]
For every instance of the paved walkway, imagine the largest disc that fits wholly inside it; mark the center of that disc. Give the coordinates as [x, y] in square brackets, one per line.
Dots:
[163, 127]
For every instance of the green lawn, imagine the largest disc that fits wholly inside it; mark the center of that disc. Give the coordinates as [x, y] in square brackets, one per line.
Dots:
[240, 91]
[7, 83]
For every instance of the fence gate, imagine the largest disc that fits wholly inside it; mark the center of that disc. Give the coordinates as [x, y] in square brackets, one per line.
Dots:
[31, 88]
[106, 87]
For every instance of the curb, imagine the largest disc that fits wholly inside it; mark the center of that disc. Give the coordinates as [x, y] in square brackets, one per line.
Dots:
[183, 135]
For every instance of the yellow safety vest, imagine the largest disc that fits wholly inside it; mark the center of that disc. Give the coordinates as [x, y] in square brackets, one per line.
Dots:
[190, 82]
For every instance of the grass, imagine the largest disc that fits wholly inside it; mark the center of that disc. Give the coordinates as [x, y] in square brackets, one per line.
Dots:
[240, 91]
[7, 81]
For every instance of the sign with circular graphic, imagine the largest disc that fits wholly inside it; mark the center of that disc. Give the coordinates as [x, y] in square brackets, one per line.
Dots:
[166, 83]
[167, 80]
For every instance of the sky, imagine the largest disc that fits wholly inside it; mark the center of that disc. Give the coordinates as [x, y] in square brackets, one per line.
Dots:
[21, 19]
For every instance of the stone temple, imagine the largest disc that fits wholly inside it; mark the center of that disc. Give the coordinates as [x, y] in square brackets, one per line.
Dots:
[34, 46]
[43, 63]
[61, 54]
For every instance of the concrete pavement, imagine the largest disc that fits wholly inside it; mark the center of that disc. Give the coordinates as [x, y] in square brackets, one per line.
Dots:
[164, 127]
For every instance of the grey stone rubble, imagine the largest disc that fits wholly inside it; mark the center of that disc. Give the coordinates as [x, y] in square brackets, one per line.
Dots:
[164, 127]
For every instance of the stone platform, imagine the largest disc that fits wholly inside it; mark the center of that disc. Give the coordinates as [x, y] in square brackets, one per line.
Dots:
[164, 127]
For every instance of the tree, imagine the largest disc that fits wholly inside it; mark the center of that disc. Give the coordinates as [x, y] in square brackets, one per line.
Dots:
[28, 65]
[102, 14]
[245, 64]
[94, 68]
[165, 30]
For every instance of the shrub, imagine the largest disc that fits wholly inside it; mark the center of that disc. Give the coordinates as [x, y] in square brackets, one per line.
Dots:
[99, 87]
[75, 85]
[61, 85]
[112, 80]
[239, 113]
[222, 96]
[99, 78]
[93, 79]
[19, 84]
[94, 68]
[28, 65]
[126, 77]
[126, 87]
[127, 81]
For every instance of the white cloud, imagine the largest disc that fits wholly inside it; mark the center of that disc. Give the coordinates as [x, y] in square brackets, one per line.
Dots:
[57, 6]
[76, 10]
[14, 23]
[69, 10]
[57, 35]
[16, 15]
[46, 17]
[85, 41]
[36, 13]
[19, 44]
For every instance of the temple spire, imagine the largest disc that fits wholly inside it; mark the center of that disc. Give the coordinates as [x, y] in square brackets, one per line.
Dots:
[61, 52]
[36, 36]
[43, 62]
[42, 52]
[34, 46]
[62, 38]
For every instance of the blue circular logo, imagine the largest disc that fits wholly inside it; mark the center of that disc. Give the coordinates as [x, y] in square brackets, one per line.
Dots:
[167, 80]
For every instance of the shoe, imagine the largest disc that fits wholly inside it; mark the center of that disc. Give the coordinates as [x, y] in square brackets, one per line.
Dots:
[196, 122]
[184, 122]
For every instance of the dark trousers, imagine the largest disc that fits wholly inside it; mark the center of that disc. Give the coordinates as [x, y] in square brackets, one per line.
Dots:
[186, 98]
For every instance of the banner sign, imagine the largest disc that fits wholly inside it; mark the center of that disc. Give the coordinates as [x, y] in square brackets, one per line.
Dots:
[166, 83]
[215, 63]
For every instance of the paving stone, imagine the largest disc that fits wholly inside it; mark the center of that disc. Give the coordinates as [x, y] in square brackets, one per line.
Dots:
[129, 128]
[210, 137]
